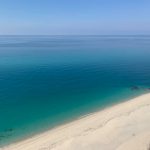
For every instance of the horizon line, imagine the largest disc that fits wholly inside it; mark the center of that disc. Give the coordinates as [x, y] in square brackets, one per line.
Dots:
[74, 34]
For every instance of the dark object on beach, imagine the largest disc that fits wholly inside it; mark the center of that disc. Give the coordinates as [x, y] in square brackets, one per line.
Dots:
[134, 88]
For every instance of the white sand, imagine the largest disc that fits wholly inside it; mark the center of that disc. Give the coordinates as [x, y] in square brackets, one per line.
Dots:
[125, 126]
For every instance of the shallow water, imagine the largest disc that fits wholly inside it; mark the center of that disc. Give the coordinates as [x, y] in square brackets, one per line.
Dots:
[48, 80]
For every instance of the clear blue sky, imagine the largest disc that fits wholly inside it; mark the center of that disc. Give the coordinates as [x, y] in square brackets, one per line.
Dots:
[74, 17]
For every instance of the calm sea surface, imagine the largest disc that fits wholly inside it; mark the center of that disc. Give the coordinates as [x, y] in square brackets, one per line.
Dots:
[49, 80]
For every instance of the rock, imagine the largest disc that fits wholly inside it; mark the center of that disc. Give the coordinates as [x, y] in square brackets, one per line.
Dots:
[134, 88]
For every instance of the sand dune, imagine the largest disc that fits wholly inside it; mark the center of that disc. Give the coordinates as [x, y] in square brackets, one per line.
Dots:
[125, 126]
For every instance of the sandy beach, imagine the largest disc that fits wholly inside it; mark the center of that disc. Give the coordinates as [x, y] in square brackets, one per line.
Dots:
[125, 126]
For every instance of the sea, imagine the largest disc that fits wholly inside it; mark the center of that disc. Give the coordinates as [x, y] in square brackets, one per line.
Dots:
[47, 81]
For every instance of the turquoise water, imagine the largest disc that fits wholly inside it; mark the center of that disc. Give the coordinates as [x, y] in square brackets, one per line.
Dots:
[49, 80]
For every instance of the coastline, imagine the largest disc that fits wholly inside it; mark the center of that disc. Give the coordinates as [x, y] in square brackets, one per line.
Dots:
[119, 127]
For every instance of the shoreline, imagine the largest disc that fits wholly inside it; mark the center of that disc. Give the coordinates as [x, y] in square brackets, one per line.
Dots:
[117, 127]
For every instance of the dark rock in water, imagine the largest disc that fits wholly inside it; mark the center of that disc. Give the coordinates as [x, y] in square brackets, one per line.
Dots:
[6, 133]
[9, 130]
[2, 136]
[135, 88]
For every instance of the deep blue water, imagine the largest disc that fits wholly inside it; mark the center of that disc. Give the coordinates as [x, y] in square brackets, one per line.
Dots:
[48, 80]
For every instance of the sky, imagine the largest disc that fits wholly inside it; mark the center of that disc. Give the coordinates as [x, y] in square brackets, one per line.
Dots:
[59, 17]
